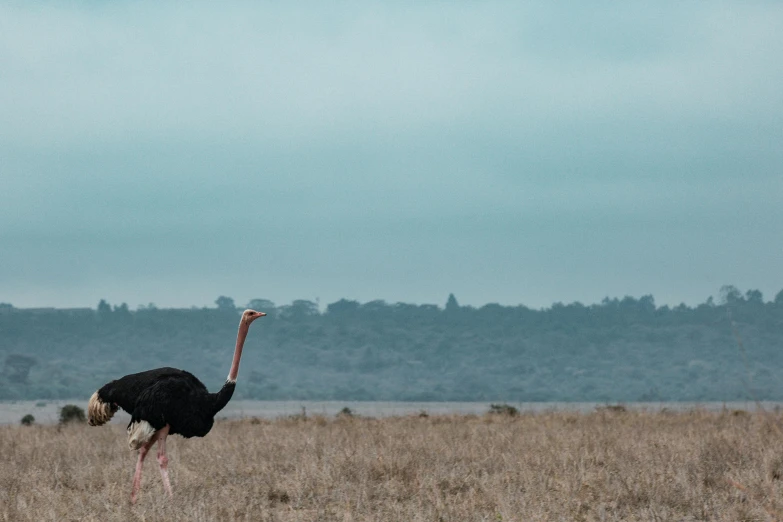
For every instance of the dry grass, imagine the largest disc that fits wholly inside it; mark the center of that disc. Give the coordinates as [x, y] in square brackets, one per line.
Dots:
[609, 465]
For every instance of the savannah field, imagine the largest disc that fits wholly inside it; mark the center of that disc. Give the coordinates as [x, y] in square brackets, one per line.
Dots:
[606, 465]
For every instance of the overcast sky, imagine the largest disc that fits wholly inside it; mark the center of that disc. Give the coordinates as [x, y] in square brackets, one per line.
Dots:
[389, 150]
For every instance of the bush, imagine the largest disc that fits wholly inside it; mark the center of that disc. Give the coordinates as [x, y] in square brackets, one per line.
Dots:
[611, 408]
[28, 420]
[345, 412]
[503, 409]
[72, 413]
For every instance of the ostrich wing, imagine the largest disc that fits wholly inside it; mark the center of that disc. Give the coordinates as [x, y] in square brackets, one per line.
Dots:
[125, 391]
[177, 401]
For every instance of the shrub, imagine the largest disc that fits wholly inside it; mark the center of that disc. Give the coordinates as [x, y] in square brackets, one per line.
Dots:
[71, 413]
[345, 412]
[503, 409]
[612, 408]
[28, 420]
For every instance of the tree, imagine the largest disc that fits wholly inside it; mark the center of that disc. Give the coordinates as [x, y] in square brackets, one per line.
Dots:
[342, 306]
[614, 303]
[647, 303]
[299, 309]
[261, 305]
[104, 308]
[452, 305]
[303, 308]
[779, 298]
[754, 296]
[729, 294]
[225, 304]
[377, 306]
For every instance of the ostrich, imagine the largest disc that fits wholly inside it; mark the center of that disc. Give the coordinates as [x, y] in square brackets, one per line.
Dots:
[163, 402]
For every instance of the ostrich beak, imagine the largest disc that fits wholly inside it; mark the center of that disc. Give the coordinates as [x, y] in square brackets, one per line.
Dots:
[261, 314]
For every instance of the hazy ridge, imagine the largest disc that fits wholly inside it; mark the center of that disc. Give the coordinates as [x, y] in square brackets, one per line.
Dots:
[619, 350]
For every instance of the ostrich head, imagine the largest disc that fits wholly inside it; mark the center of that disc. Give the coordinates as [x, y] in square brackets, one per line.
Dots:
[248, 316]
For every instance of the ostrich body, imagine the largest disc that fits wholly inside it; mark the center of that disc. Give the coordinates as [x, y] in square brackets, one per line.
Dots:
[163, 402]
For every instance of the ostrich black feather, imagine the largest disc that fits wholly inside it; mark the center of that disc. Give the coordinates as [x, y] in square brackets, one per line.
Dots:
[168, 396]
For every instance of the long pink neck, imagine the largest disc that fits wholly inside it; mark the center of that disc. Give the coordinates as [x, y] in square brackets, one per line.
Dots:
[241, 335]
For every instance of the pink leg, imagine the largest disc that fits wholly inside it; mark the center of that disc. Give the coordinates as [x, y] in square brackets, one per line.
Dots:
[163, 460]
[137, 476]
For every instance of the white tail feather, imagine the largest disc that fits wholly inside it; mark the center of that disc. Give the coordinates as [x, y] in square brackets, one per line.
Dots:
[139, 433]
[99, 412]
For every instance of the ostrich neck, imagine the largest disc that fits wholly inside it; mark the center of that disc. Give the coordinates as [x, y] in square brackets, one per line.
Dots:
[241, 335]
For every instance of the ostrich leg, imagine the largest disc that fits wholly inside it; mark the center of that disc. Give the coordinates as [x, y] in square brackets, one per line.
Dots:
[137, 476]
[163, 460]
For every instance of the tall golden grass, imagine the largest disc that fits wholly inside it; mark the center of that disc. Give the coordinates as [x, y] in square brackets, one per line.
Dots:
[607, 465]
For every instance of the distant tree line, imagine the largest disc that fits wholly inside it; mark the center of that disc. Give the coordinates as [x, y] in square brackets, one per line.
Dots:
[624, 349]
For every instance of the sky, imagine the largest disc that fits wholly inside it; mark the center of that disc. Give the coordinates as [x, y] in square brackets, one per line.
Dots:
[509, 152]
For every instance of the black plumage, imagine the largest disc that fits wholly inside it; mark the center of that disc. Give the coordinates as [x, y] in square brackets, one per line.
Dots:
[168, 396]
[165, 401]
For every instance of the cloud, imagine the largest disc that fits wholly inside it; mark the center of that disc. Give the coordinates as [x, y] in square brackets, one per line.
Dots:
[488, 131]
[262, 71]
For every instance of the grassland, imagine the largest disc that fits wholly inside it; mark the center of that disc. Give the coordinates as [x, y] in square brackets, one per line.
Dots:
[606, 465]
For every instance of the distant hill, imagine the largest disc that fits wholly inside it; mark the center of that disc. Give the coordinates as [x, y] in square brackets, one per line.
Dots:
[619, 350]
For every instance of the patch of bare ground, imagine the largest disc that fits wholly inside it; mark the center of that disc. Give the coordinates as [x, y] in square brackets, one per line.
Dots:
[608, 465]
